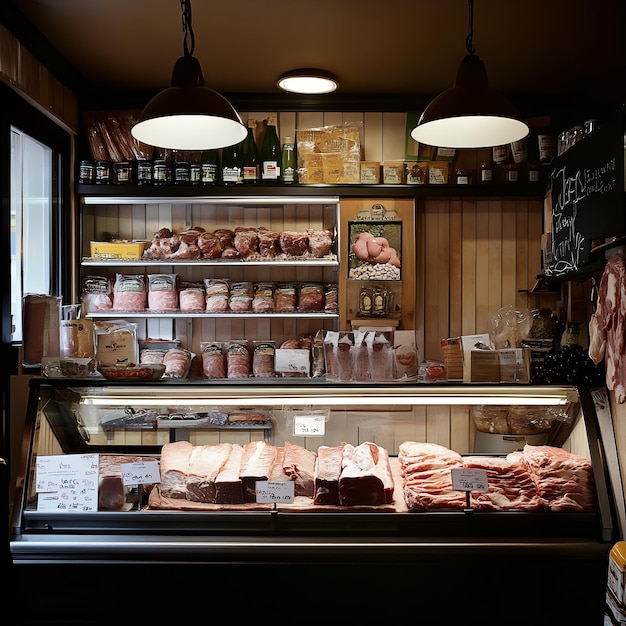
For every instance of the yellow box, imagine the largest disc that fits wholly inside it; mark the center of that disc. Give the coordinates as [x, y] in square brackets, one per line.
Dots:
[122, 251]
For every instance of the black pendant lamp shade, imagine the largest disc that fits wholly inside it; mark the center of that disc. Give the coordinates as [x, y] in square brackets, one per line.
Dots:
[470, 114]
[188, 115]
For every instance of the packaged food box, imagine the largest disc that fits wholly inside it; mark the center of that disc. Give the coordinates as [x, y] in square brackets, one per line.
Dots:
[370, 172]
[118, 251]
[393, 172]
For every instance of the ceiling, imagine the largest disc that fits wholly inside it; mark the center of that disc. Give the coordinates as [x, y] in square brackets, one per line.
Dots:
[571, 51]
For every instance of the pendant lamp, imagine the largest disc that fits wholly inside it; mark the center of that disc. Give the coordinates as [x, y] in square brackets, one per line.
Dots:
[308, 81]
[470, 114]
[188, 115]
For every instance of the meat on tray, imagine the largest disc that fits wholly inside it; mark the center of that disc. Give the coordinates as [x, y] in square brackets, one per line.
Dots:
[366, 477]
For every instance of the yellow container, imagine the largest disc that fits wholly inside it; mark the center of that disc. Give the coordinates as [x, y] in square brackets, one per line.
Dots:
[616, 579]
[122, 251]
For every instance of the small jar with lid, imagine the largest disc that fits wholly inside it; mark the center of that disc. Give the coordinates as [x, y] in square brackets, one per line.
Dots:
[182, 173]
[160, 173]
[123, 173]
[87, 172]
[195, 172]
[144, 172]
[103, 172]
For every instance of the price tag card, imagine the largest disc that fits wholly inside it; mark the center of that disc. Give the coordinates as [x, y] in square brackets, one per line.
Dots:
[294, 361]
[67, 482]
[469, 479]
[140, 473]
[274, 492]
[309, 425]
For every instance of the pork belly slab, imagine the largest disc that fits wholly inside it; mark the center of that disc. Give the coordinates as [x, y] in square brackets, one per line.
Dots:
[366, 477]
[256, 464]
[205, 463]
[175, 468]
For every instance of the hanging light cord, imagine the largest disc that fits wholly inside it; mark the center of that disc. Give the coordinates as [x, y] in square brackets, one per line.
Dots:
[189, 41]
[469, 41]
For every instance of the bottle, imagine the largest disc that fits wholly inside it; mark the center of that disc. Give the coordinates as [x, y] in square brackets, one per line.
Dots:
[250, 156]
[463, 176]
[270, 153]
[487, 172]
[500, 156]
[232, 171]
[210, 165]
[288, 162]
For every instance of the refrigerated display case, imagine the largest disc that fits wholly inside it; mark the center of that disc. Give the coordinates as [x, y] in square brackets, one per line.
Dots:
[487, 560]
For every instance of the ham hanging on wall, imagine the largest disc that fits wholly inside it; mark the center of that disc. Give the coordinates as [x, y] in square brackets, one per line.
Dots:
[608, 324]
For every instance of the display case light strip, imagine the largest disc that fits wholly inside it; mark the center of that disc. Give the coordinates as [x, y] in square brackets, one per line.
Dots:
[326, 400]
[256, 200]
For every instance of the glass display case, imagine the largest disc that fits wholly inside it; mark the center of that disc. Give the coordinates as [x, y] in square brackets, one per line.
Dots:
[126, 473]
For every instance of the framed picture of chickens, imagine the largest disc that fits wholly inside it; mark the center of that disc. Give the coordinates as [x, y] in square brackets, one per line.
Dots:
[375, 250]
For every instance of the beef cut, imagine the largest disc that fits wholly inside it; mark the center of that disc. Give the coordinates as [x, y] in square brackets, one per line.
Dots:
[366, 477]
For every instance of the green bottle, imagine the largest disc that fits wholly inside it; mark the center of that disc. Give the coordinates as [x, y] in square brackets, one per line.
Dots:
[271, 155]
[232, 170]
[250, 156]
[210, 166]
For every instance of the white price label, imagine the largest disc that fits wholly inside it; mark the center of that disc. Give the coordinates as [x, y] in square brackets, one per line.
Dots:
[140, 473]
[274, 492]
[469, 479]
[294, 361]
[309, 425]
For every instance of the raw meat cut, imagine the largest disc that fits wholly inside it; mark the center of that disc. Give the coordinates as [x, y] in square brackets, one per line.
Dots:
[228, 484]
[205, 463]
[366, 477]
[299, 465]
[257, 461]
[327, 472]
[175, 459]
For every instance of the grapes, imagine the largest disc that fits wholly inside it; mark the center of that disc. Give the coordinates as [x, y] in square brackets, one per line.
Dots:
[569, 364]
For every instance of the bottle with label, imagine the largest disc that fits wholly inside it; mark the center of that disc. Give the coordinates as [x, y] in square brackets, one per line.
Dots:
[487, 172]
[500, 156]
[210, 165]
[232, 170]
[463, 176]
[288, 164]
[250, 156]
[271, 156]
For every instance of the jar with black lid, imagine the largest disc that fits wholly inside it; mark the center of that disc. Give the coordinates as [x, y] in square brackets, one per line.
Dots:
[144, 172]
[103, 172]
[182, 173]
[123, 173]
[160, 172]
[86, 172]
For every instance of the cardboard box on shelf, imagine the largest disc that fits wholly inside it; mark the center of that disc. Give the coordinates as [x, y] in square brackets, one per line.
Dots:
[118, 251]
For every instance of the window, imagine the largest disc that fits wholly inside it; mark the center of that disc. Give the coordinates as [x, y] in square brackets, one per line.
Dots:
[31, 223]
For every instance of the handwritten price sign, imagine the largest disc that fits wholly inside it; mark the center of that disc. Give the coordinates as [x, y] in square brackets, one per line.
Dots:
[469, 479]
[140, 473]
[274, 492]
[309, 425]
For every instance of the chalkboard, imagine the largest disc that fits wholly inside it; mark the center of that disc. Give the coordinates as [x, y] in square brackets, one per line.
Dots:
[587, 187]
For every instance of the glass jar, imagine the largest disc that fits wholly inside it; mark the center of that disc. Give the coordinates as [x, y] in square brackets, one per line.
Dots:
[160, 172]
[182, 173]
[103, 172]
[144, 172]
[123, 173]
[86, 173]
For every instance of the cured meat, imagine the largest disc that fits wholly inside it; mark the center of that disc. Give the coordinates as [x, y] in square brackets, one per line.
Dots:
[299, 465]
[564, 480]
[97, 294]
[268, 243]
[228, 484]
[597, 340]
[256, 464]
[277, 473]
[112, 493]
[237, 360]
[213, 359]
[611, 319]
[427, 477]
[205, 463]
[162, 292]
[177, 362]
[320, 242]
[210, 245]
[162, 247]
[246, 242]
[311, 297]
[175, 459]
[327, 472]
[263, 301]
[130, 292]
[293, 243]
[511, 487]
[263, 359]
[192, 297]
[366, 477]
